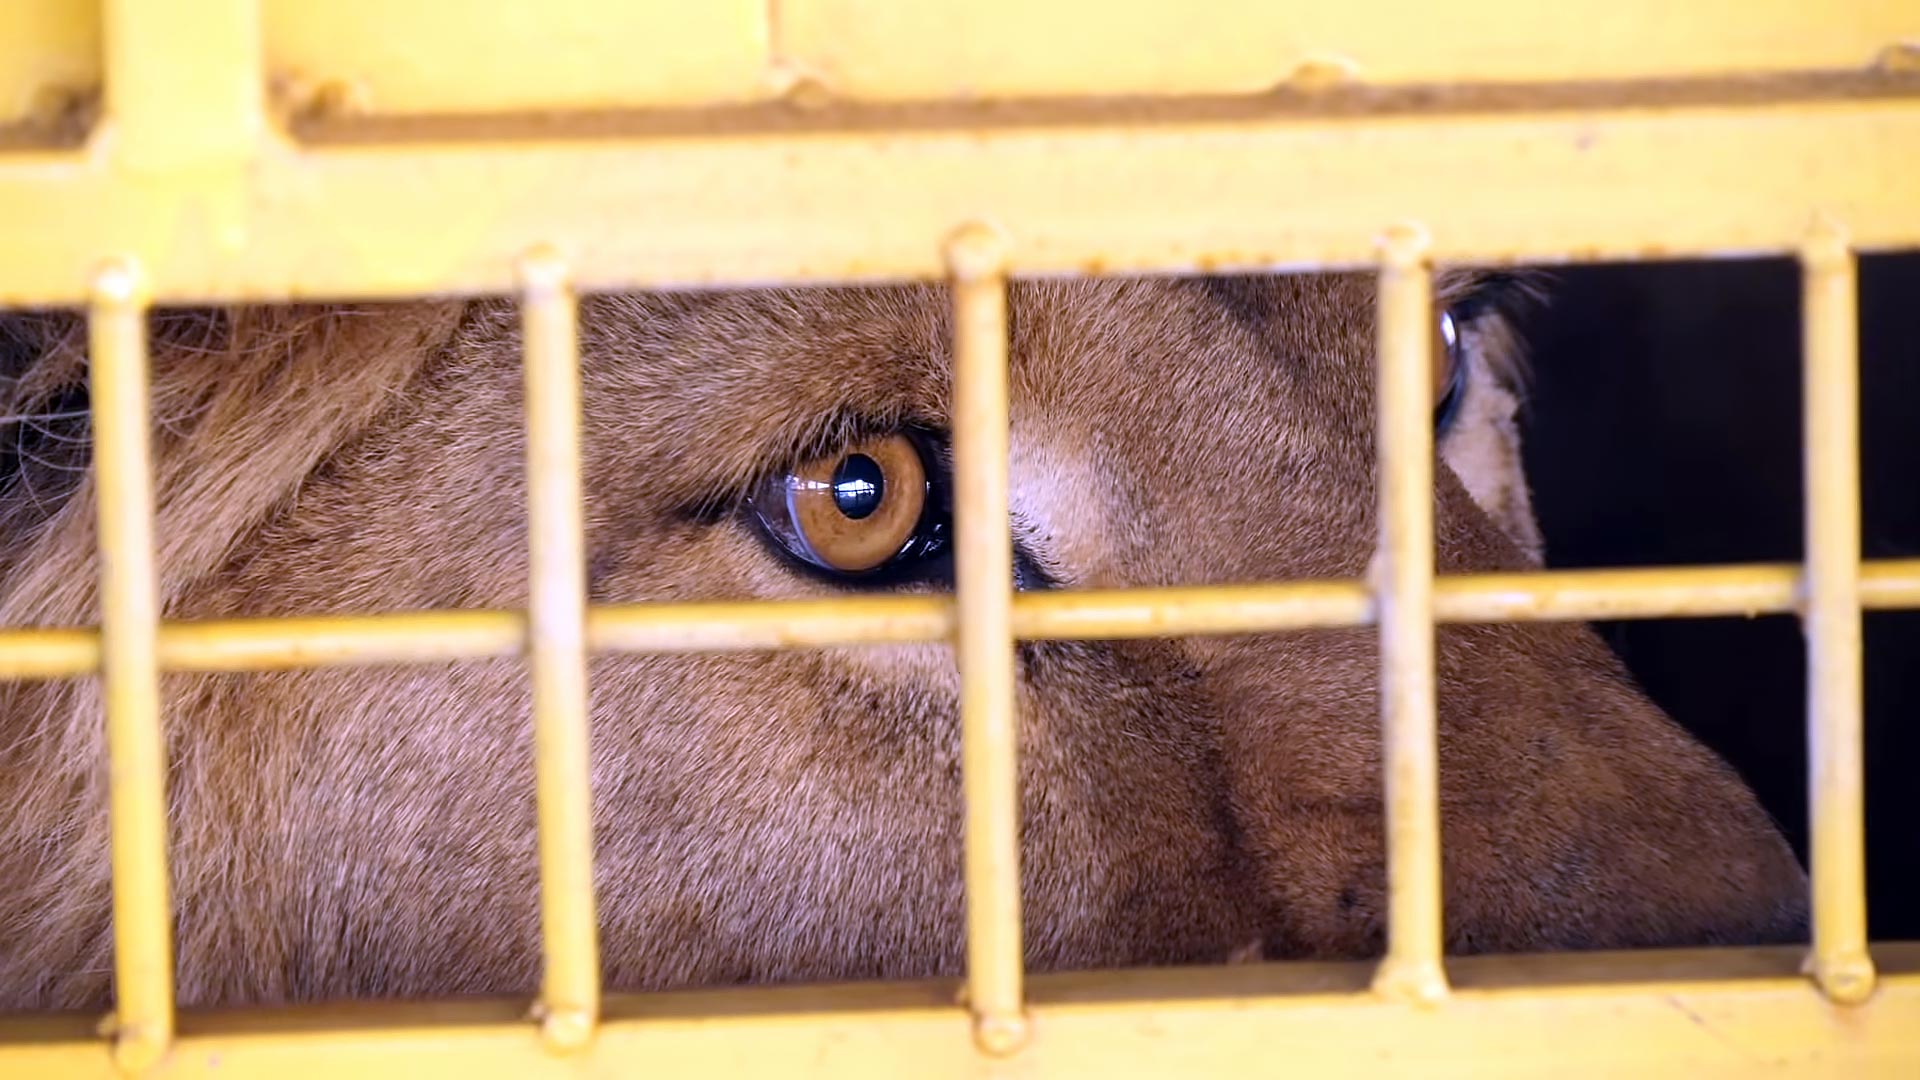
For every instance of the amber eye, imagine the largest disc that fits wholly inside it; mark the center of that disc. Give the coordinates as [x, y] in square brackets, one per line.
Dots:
[855, 511]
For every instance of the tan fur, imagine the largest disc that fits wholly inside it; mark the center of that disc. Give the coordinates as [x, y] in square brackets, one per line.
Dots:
[796, 815]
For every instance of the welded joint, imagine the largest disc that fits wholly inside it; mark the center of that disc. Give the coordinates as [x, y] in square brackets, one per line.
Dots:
[976, 251]
[566, 1029]
[542, 274]
[119, 284]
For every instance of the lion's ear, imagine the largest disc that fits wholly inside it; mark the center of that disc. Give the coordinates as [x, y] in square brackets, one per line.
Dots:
[1480, 374]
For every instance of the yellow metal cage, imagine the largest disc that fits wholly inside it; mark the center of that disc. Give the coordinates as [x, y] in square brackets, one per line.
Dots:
[271, 150]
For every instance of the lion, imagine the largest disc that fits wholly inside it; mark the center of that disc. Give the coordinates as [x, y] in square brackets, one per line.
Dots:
[795, 815]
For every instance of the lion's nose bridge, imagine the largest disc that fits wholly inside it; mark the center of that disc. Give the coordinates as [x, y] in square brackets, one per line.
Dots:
[1163, 508]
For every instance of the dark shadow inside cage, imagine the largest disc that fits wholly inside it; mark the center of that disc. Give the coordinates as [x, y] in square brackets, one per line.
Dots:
[1664, 428]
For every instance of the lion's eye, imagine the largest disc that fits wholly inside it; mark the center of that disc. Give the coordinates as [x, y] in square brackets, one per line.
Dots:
[857, 511]
[1449, 370]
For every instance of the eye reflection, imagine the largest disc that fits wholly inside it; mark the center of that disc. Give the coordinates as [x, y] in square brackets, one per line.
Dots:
[859, 486]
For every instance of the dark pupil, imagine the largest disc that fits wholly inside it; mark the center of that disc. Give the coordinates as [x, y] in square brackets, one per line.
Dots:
[858, 486]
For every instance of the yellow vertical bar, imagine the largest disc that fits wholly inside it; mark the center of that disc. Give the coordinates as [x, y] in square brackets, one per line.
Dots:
[570, 989]
[1840, 961]
[129, 671]
[1403, 578]
[983, 557]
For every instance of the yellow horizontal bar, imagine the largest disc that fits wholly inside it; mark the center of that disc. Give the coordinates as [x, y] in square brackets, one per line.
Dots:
[1171, 612]
[439, 636]
[790, 196]
[47, 653]
[404, 638]
[1681, 1014]
[409, 56]
[989, 48]
[406, 56]
[783, 624]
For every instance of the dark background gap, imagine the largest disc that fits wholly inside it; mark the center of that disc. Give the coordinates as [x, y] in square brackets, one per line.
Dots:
[1664, 428]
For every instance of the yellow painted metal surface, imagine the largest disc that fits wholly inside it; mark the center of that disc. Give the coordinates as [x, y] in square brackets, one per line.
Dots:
[1692, 1015]
[987, 48]
[1402, 574]
[129, 668]
[424, 56]
[557, 652]
[422, 637]
[1230, 187]
[188, 178]
[428, 56]
[1836, 754]
[47, 47]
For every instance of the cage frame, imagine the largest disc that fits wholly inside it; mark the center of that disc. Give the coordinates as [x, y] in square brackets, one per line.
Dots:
[208, 197]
